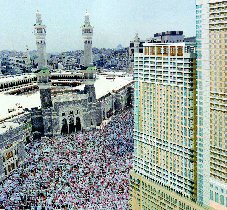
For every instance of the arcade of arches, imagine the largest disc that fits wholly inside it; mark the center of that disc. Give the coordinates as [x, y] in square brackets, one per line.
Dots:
[71, 126]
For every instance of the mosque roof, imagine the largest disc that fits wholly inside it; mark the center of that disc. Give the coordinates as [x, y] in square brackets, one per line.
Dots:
[43, 71]
[91, 68]
[14, 102]
[103, 85]
[12, 78]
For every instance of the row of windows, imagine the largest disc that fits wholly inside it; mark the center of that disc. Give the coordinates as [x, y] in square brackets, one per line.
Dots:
[218, 199]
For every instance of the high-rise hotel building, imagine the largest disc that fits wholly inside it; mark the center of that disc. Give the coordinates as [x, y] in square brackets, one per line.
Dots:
[180, 112]
[211, 33]
[165, 174]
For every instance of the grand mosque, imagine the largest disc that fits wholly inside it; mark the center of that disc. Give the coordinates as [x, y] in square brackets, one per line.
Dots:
[49, 103]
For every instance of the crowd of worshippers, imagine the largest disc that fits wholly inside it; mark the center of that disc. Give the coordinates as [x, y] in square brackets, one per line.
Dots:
[88, 171]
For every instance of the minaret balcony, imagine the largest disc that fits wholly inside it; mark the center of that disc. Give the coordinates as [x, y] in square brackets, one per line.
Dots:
[39, 26]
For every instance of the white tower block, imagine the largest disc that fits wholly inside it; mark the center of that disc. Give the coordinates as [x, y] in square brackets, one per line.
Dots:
[87, 33]
[40, 34]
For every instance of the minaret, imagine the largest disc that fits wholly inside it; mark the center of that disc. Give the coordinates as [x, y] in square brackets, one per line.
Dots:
[43, 75]
[136, 43]
[89, 71]
[43, 72]
[40, 34]
[28, 58]
[87, 33]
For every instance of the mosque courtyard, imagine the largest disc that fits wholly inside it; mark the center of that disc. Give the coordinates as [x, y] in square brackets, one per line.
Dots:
[87, 170]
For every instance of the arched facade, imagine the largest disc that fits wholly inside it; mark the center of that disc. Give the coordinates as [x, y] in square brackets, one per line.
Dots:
[74, 112]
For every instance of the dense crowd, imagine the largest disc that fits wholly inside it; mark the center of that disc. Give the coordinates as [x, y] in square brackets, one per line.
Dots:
[87, 170]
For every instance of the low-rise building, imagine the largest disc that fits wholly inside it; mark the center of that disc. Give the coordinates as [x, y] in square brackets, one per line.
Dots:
[15, 133]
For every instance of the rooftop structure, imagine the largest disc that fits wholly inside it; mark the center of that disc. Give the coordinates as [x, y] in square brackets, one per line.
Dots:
[164, 37]
[170, 36]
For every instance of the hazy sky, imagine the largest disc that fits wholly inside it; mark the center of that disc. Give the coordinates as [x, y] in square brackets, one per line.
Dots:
[115, 21]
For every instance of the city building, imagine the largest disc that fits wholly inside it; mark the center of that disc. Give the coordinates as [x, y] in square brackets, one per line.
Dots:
[165, 170]
[15, 133]
[12, 65]
[211, 34]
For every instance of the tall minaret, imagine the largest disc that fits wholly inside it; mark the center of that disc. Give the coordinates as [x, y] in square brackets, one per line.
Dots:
[136, 43]
[40, 34]
[43, 75]
[87, 33]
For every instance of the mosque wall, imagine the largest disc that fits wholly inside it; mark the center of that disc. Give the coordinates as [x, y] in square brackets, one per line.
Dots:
[47, 121]
[37, 123]
[71, 116]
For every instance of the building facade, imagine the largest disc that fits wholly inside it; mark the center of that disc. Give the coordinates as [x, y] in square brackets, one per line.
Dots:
[211, 34]
[203, 88]
[165, 174]
[15, 133]
[73, 110]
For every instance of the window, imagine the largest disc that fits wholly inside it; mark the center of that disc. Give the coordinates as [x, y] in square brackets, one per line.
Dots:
[216, 197]
[9, 155]
[222, 200]
[12, 166]
[211, 195]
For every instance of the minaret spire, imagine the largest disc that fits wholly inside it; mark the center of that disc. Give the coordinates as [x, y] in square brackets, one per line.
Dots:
[38, 18]
[87, 19]
[137, 37]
